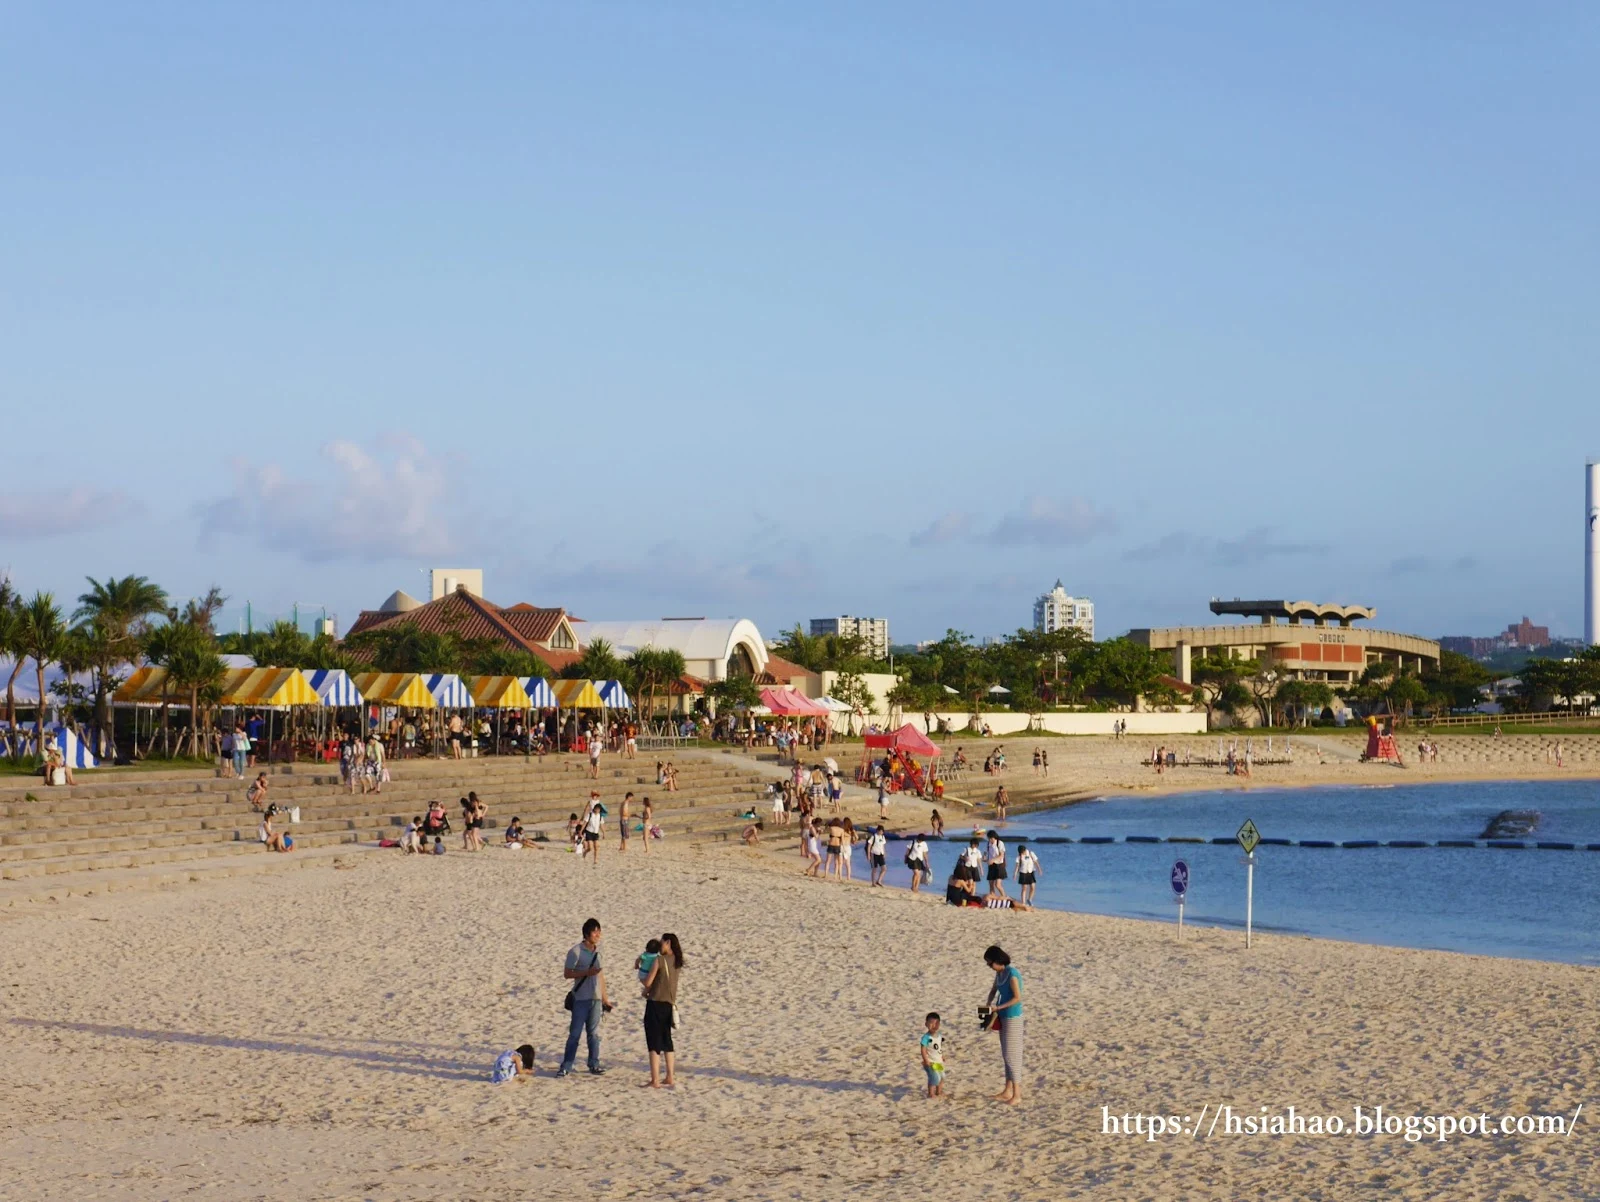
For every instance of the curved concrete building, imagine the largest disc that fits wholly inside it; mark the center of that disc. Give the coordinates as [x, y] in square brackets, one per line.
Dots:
[1298, 636]
[712, 648]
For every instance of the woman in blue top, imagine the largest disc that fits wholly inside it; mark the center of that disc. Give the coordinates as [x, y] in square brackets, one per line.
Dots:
[1006, 997]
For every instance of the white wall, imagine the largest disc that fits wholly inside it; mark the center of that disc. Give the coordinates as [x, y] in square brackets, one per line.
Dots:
[1074, 723]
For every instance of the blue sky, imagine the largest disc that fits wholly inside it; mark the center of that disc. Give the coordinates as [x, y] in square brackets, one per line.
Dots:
[785, 310]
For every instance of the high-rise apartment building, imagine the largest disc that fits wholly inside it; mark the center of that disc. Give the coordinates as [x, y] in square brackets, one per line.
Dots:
[873, 632]
[1056, 610]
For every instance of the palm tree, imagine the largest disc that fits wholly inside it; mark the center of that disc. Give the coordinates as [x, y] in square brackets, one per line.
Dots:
[325, 653]
[112, 615]
[160, 643]
[10, 630]
[194, 664]
[597, 662]
[504, 661]
[283, 645]
[43, 635]
[652, 669]
[201, 612]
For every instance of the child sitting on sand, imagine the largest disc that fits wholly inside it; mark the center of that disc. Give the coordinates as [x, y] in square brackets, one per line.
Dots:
[438, 847]
[514, 835]
[411, 842]
[933, 1056]
[515, 1063]
[646, 962]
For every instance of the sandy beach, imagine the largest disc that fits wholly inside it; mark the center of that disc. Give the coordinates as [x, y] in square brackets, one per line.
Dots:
[327, 1033]
[1099, 767]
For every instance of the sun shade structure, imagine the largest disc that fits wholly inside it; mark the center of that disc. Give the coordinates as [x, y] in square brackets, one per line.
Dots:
[449, 690]
[792, 703]
[836, 706]
[908, 740]
[404, 689]
[143, 687]
[613, 695]
[333, 686]
[539, 692]
[499, 692]
[577, 695]
[276, 687]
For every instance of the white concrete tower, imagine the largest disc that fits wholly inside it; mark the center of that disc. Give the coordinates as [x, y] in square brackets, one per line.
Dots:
[1591, 554]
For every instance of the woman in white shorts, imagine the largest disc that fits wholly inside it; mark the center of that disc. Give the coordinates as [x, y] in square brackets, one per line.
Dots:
[779, 813]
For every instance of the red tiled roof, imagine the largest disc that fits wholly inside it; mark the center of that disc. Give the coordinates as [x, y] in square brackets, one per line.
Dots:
[557, 660]
[520, 627]
[537, 625]
[780, 670]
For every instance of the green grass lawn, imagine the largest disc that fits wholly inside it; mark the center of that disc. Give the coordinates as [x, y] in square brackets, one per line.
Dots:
[29, 766]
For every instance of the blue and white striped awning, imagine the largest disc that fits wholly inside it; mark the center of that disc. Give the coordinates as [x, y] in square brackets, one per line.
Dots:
[449, 691]
[73, 749]
[613, 694]
[540, 692]
[333, 686]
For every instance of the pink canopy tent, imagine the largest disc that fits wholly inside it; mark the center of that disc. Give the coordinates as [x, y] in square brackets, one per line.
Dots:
[790, 703]
[908, 740]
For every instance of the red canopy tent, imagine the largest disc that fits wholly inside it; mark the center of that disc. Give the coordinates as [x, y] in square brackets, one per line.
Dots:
[791, 703]
[908, 740]
[904, 743]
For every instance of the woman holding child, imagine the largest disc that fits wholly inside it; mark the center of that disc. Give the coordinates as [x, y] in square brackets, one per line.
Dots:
[660, 989]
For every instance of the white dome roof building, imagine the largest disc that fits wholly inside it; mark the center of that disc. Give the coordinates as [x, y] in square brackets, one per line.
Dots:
[712, 648]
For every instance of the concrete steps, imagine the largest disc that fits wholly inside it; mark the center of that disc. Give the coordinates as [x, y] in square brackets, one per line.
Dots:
[141, 820]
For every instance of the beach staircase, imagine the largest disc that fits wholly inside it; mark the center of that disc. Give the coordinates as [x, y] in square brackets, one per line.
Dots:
[121, 819]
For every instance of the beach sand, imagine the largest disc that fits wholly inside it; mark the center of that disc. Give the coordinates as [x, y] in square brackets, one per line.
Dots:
[327, 1034]
[1100, 767]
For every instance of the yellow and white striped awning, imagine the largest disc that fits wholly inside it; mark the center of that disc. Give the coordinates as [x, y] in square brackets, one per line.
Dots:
[406, 689]
[577, 695]
[143, 687]
[499, 692]
[276, 687]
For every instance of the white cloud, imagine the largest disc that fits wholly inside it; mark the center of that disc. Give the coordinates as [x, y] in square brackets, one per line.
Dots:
[948, 527]
[670, 574]
[1046, 522]
[53, 512]
[389, 503]
[1253, 546]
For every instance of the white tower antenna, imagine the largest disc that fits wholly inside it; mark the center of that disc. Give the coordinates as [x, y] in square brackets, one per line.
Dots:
[1591, 554]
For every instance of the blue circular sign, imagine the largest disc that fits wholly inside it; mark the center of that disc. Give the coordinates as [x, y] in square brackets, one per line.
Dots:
[1180, 878]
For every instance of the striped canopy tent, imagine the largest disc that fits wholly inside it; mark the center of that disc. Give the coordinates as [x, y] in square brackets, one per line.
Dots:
[577, 695]
[613, 695]
[264, 687]
[539, 692]
[449, 691]
[333, 686]
[143, 687]
[498, 692]
[74, 750]
[406, 689]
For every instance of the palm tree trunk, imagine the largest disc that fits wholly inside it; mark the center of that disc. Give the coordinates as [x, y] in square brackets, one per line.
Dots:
[194, 722]
[11, 710]
[38, 714]
[102, 713]
[166, 747]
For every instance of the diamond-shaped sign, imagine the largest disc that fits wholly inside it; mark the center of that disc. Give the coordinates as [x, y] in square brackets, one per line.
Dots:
[1248, 837]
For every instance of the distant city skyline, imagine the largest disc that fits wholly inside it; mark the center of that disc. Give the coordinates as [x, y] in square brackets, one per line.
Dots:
[1278, 301]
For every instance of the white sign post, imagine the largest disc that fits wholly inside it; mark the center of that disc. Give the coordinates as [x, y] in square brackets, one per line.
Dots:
[1248, 838]
[1180, 886]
